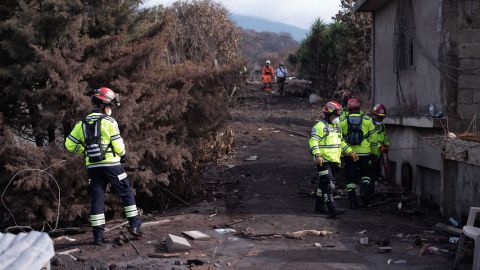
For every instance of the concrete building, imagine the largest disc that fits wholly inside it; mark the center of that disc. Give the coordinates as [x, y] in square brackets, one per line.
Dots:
[426, 70]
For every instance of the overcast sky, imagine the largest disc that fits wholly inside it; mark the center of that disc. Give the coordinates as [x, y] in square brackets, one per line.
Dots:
[300, 13]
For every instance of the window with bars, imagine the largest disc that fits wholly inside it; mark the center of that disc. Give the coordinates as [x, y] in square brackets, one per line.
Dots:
[404, 36]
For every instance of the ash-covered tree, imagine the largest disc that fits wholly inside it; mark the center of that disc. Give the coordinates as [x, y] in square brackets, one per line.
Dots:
[173, 96]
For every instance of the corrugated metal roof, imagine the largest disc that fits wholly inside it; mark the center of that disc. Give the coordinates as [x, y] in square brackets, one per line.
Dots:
[25, 251]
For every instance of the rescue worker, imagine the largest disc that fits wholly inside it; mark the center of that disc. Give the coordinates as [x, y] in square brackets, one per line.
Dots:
[281, 73]
[98, 138]
[357, 130]
[267, 76]
[379, 142]
[327, 144]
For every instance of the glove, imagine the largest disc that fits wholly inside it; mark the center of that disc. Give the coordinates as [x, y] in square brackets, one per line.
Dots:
[384, 148]
[354, 156]
[123, 158]
[332, 185]
[319, 160]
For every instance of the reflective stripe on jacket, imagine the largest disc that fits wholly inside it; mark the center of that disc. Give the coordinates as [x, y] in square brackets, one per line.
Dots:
[368, 130]
[326, 139]
[378, 139]
[111, 141]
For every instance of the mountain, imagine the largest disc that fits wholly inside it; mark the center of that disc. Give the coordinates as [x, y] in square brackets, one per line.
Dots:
[259, 24]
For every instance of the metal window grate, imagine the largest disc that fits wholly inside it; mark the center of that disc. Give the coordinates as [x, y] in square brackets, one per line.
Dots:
[404, 36]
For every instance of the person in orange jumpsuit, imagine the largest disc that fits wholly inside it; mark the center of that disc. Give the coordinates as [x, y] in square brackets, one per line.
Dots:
[267, 76]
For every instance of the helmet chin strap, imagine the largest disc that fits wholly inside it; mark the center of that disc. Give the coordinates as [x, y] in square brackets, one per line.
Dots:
[108, 111]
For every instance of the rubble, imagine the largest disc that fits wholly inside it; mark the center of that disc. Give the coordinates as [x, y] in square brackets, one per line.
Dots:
[196, 235]
[300, 235]
[225, 231]
[176, 243]
[448, 229]
[384, 249]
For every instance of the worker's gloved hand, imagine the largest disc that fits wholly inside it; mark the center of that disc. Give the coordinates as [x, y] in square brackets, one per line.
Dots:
[123, 158]
[354, 156]
[384, 148]
[319, 160]
[332, 185]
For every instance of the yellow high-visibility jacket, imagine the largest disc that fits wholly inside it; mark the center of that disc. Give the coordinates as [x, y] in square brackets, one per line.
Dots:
[378, 139]
[112, 142]
[368, 129]
[326, 139]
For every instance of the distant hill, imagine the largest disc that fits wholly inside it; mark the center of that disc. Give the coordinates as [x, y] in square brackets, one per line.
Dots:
[260, 46]
[259, 25]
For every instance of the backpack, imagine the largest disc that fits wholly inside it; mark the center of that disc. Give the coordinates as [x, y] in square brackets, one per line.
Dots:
[93, 140]
[355, 133]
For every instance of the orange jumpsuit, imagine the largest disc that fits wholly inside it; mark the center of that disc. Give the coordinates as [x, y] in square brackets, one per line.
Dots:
[267, 77]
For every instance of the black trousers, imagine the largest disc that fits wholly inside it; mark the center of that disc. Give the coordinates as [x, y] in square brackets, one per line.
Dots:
[359, 173]
[326, 174]
[281, 84]
[98, 179]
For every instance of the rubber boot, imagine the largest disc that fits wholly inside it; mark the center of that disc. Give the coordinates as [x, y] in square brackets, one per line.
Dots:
[365, 191]
[333, 209]
[320, 206]
[352, 197]
[98, 238]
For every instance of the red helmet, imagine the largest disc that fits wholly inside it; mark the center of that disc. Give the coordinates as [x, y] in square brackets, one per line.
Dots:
[332, 107]
[379, 110]
[105, 96]
[353, 104]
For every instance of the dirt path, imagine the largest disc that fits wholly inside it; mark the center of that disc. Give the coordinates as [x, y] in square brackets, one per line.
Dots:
[268, 195]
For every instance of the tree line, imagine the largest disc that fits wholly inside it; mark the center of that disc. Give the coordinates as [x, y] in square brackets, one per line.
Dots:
[172, 66]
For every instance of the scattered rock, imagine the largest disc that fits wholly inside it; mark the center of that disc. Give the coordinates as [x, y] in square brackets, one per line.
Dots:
[176, 243]
[317, 245]
[98, 264]
[224, 231]
[418, 241]
[195, 262]
[363, 240]
[113, 266]
[313, 99]
[196, 235]
[58, 262]
[177, 263]
[251, 158]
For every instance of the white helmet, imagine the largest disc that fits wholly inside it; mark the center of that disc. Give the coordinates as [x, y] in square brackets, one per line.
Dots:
[268, 62]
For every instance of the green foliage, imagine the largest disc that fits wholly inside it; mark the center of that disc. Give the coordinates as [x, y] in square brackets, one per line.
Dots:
[336, 56]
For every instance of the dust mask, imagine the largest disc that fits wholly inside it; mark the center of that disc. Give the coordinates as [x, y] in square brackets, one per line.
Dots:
[108, 111]
[336, 120]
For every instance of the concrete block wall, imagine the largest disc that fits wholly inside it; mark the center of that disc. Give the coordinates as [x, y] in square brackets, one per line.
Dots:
[468, 40]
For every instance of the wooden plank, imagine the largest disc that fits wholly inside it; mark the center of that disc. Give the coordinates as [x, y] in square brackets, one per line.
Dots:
[164, 255]
[448, 229]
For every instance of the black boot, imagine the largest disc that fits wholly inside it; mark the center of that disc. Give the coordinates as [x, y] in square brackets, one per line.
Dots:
[136, 232]
[333, 209]
[366, 190]
[352, 197]
[320, 206]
